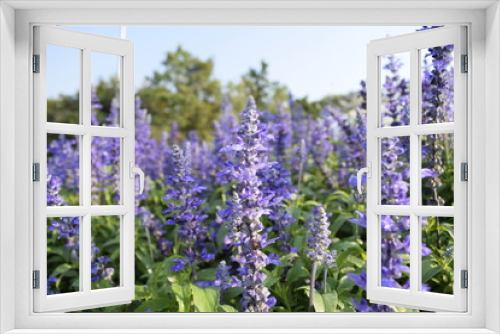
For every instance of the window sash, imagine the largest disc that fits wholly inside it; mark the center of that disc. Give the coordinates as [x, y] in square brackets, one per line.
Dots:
[413, 298]
[86, 297]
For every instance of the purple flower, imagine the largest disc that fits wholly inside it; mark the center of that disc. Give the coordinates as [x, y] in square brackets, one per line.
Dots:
[318, 240]
[63, 161]
[50, 281]
[396, 93]
[363, 306]
[179, 265]
[224, 134]
[98, 268]
[184, 209]
[248, 204]
[277, 186]
[53, 188]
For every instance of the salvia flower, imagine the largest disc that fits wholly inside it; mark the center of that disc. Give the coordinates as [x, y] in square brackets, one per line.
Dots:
[247, 206]
[318, 240]
[98, 268]
[185, 210]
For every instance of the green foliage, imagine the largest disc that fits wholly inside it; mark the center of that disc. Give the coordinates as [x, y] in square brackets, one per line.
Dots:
[184, 91]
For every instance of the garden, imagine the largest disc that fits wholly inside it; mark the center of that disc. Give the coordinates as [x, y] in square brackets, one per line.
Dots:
[250, 201]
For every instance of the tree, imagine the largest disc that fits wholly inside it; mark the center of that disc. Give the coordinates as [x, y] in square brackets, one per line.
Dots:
[184, 91]
[256, 83]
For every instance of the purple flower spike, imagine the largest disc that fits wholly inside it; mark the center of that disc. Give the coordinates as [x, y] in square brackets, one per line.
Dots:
[318, 240]
[249, 202]
[186, 212]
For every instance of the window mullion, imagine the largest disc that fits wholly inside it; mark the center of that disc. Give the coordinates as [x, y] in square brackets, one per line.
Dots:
[85, 227]
[414, 170]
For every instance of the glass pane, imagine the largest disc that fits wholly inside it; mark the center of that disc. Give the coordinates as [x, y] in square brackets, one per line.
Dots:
[63, 166]
[395, 171]
[437, 170]
[437, 254]
[395, 251]
[105, 80]
[105, 267]
[437, 84]
[63, 255]
[63, 84]
[105, 171]
[395, 89]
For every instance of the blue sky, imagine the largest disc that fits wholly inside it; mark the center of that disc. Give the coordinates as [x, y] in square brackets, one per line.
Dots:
[312, 61]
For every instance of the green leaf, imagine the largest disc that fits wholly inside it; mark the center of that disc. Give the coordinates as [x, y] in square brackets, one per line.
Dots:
[319, 305]
[346, 245]
[142, 292]
[206, 274]
[311, 203]
[298, 242]
[330, 300]
[155, 305]
[205, 299]
[219, 240]
[297, 272]
[345, 284]
[429, 271]
[226, 308]
[182, 295]
[355, 260]
[271, 279]
[337, 224]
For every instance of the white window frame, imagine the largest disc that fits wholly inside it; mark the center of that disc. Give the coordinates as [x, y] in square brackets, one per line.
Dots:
[484, 102]
[87, 45]
[416, 43]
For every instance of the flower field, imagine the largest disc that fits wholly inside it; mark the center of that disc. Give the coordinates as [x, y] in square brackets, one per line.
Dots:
[263, 215]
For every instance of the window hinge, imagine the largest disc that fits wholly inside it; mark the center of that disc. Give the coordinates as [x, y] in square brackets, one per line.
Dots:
[36, 172]
[464, 171]
[36, 63]
[465, 279]
[36, 279]
[465, 64]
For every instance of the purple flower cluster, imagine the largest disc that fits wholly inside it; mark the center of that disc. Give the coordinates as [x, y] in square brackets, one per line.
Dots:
[318, 239]
[247, 206]
[225, 133]
[396, 92]
[64, 161]
[53, 188]
[98, 268]
[184, 210]
[437, 107]
[276, 184]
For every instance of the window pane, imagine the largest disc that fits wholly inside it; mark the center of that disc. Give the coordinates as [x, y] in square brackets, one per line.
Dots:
[105, 171]
[395, 251]
[395, 171]
[395, 89]
[63, 84]
[437, 254]
[105, 85]
[63, 255]
[437, 170]
[63, 166]
[437, 84]
[105, 267]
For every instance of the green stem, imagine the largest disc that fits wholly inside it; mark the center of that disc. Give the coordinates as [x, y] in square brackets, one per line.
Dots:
[193, 269]
[312, 289]
[148, 236]
[324, 278]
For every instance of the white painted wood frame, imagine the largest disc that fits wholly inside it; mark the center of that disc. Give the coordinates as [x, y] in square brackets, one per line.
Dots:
[415, 44]
[483, 20]
[85, 43]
